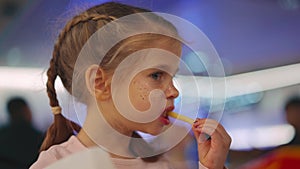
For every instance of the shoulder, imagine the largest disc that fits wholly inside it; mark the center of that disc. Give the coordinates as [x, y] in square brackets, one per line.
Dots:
[57, 152]
[45, 158]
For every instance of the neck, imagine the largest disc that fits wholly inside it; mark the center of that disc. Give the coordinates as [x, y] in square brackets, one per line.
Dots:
[97, 131]
[84, 138]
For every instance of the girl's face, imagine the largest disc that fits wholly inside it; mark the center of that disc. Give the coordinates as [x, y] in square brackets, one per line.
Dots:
[143, 84]
[139, 91]
[140, 87]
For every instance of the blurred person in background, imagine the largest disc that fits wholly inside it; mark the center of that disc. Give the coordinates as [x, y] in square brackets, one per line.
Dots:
[19, 140]
[292, 109]
[286, 156]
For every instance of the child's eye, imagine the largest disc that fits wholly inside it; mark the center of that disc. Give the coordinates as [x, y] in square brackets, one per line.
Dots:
[156, 75]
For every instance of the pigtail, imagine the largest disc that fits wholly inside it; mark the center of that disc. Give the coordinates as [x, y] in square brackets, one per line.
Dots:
[62, 128]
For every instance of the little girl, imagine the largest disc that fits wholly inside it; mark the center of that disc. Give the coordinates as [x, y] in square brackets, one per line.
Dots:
[123, 74]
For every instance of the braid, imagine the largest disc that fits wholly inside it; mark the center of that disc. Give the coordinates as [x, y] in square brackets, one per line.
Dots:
[52, 74]
[85, 17]
[62, 128]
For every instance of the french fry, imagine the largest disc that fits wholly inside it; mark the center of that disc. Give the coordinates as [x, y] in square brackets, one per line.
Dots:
[181, 117]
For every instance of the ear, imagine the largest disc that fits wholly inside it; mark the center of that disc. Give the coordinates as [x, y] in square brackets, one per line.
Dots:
[97, 83]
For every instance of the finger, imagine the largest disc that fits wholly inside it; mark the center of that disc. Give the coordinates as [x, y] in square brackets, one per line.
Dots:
[207, 133]
[213, 125]
[210, 124]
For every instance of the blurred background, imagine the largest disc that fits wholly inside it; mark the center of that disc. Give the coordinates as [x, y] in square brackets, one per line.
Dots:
[249, 35]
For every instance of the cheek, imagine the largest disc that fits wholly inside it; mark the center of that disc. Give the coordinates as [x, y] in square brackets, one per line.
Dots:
[142, 93]
[139, 96]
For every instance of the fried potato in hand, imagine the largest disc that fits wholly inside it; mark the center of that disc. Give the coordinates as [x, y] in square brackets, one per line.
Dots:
[213, 143]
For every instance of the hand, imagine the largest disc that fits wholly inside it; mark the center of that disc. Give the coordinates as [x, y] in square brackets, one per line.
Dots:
[213, 143]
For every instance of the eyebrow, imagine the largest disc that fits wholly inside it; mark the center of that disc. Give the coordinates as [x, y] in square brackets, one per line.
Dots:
[166, 67]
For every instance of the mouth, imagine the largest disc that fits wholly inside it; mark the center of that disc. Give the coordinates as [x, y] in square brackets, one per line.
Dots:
[164, 118]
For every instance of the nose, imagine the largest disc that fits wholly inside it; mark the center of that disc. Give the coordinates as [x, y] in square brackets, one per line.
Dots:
[172, 92]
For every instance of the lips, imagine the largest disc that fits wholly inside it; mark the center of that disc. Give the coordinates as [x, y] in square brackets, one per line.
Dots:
[170, 108]
[164, 118]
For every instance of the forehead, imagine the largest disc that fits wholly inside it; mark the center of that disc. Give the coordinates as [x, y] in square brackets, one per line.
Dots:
[166, 68]
[157, 58]
[166, 43]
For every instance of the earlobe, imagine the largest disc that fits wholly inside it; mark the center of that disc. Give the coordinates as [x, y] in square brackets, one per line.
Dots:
[97, 82]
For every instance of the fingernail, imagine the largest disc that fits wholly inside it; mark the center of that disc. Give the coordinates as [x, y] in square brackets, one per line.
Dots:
[195, 120]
